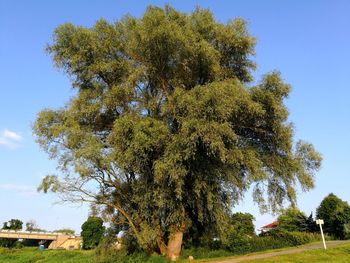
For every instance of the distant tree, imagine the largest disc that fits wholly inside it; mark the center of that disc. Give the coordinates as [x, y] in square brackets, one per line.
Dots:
[92, 232]
[292, 219]
[13, 224]
[31, 225]
[336, 215]
[239, 232]
[168, 126]
[243, 223]
[65, 231]
[311, 224]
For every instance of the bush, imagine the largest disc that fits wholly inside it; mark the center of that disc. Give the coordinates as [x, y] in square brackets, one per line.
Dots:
[108, 252]
[275, 239]
[287, 239]
[110, 255]
[239, 244]
[92, 232]
[18, 245]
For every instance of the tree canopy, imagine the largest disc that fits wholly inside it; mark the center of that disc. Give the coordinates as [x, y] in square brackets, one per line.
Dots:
[292, 219]
[167, 129]
[336, 215]
[243, 224]
[13, 224]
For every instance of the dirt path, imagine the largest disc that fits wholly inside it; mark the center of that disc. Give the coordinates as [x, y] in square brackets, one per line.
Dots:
[282, 252]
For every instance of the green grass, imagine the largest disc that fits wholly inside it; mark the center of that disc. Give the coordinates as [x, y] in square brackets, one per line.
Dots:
[34, 255]
[339, 254]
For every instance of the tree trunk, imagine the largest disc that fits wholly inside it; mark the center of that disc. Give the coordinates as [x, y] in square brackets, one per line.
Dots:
[174, 245]
[161, 245]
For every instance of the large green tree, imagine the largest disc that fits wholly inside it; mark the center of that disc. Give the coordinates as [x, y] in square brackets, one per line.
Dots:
[336, 215]
[166, 129]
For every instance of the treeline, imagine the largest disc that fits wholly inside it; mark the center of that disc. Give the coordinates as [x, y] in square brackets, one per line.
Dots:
[239, 236]
[334, 211]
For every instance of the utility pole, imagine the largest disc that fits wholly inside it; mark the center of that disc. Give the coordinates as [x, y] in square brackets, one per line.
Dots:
[321, 222]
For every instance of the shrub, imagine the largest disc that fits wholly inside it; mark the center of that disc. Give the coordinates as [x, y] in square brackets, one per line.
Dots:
[279, 239]
[18, 245]
[239, 244]
[275, 239]
[107, 253]
[92, 232]
[110, 255]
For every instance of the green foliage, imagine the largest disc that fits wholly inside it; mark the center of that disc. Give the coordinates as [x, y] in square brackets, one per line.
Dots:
[293, 220]
[243, 223]
[347, 231]
[65, 231]
[92, 232]
[13, 224]
[166, 125]
[31, 225]
[339, 253]
[18, 245]
[244, 244]
[31, 255]
[205, 252]
[276, 239]
[107, 252]
[239, 232]
[238, 244]
[336, 215]
[311, 224]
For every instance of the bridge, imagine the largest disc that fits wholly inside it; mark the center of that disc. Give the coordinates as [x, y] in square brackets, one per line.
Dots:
[59, 240]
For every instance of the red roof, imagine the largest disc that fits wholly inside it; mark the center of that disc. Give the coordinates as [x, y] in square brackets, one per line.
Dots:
[271, 225]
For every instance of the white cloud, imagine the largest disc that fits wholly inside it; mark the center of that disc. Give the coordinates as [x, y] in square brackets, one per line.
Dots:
[10, 139]
[26, 190]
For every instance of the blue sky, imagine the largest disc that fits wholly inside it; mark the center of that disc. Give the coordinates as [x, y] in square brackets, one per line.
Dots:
[308, 41]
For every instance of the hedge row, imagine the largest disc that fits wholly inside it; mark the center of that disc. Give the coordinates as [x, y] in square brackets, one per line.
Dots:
[277, 239]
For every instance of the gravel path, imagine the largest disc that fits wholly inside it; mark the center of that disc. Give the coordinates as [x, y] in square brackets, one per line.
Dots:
[282, 252]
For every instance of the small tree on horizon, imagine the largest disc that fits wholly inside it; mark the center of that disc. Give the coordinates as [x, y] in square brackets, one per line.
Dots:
[13, 224]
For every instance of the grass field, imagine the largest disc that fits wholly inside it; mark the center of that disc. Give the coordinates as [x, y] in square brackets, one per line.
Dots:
[33, 255]
[340, 253]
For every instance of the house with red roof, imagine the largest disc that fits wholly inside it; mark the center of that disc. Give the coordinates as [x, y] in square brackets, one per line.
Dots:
[269, 227]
